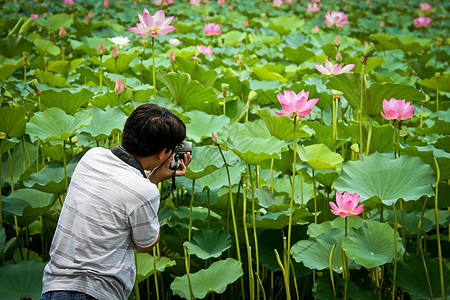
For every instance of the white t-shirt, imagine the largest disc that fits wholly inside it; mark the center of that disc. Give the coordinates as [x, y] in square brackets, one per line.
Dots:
[109, 206]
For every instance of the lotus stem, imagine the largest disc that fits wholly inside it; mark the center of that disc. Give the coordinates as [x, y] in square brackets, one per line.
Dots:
[291, 203]
[190, 210]
[438, 237]
[331, 270]
[155, 273]
[393, 141]
[369, 137]
[286, 279]
[315, 197]
[12, 190]
[100, 79]
[233, 216]
[154, 66]
[437, 93]
[346, 273]
[295, 279]
[27, 151]
[271, 174]
[395, 250]
[255, 236]
[421, 116]
[261, 285]
[426, 269]
[249, 248]
[419, 227]
[361, 110]
[65, 167]
[301, 186]
[402, 211]
[187, 264]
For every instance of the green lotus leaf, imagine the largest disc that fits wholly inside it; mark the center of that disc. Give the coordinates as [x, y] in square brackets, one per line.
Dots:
[371, 245]
[209, 243]
[188, 93]
[253, 150]
[412, 278]
[214, 279]
[314, 230]
[22, 280]
[54, 124]
[2, 239]
[297, 55]
[64, 67]
[89, 45]
[381, 140]
[8, 67]
[46, 47]
[109, 98]
[315, 254]
[207, 160]
[121, 64]
[203, 124]
[12, 121]
[280, 219]
[51, 178]
[145, 265]
[218, 179]
[283, 128]
[325, 177]
[197, 72]
[198, 213]
[319, 157]
[254, 129]
[283, 186]
[69, 100]
[427, 153]
[104, 123]
[54, 22]
[443, 84]
[267, 199]
[372, 63]
[350, 85]
[238, 87]
[263, 73]
[389, 179]
[50, 78]
[233, 37]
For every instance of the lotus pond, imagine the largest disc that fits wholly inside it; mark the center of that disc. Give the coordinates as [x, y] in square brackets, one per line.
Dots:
[321, 131]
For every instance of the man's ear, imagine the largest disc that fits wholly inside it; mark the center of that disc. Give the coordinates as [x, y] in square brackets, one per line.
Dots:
[162, 154]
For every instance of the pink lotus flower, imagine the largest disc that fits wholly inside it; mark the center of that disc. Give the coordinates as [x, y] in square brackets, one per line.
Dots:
[106, 3]
[346, 205]
[212, 29]
[115, 53]
[69, 2]
[157, 2]
[221, 2]
[277, 3]
[316, 28]
[397, 109]
[196, 58]
[153, 25]
[196, 2]
[329, 69]
[295, 104]
[205, 50]
[120, 41]
[174, 42]
[337, 18]
[288, 1]
[34, 16]
[422, 21]
[426, 7]
[119, 87]
[312, 7]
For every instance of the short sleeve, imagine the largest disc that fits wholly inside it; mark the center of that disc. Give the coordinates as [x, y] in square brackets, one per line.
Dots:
[144, 224]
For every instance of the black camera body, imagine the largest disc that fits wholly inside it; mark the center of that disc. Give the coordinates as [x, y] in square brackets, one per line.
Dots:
[178, 153]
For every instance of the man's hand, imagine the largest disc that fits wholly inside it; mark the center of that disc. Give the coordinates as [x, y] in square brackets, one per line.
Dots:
[163, 172]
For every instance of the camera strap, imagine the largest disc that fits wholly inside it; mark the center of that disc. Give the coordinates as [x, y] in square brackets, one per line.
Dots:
[171, 189]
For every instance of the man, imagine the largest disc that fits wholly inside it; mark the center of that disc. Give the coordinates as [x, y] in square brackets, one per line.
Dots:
[111, 209]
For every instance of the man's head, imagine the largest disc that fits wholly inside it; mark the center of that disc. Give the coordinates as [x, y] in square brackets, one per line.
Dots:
[150, 129]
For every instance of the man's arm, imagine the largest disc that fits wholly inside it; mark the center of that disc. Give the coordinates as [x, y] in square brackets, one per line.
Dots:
[147, 249]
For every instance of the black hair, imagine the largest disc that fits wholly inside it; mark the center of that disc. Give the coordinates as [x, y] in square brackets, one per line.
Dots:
[150, 129]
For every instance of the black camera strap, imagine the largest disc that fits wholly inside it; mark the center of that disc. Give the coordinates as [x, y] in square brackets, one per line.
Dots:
[171, 189]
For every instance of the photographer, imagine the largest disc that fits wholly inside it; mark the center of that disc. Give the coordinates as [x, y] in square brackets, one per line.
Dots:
[111, 209]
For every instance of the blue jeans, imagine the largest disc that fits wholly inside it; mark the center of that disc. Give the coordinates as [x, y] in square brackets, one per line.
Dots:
[66, 295]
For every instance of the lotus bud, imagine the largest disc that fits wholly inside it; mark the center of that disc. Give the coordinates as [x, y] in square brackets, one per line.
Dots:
[438, 43]
[382, 24]
[119, 87]
[86, 21]
[316, 29]
[25, 57]
[90, 14]
[2, 135]
[214, 138]
[225, 87]
[337, 42]
[245, 23]
[369, 50]
[115, 53]
[106, 3]
[355, 148]
[252, 95]
[100, 50]
[172, 58]
[33, 84]
[62, 32]
[339, 56]
[438, 76]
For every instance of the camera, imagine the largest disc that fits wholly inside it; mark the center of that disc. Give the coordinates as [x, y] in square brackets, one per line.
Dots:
[178, 153]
